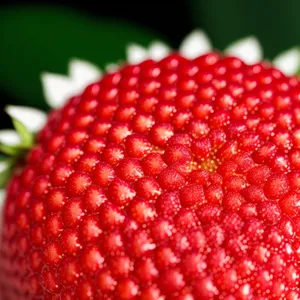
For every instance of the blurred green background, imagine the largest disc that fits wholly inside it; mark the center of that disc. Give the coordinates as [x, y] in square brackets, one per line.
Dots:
[42, 36]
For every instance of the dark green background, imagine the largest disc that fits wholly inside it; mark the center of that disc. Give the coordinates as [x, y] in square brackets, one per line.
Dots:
[275, 23]
[39, 37]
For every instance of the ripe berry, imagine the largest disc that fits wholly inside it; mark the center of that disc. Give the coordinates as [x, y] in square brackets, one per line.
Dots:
[176, 179]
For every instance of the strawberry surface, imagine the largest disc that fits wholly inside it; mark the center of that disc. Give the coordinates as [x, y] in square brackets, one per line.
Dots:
[176, 179]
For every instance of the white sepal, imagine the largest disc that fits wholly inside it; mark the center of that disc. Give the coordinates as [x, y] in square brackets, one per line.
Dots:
[2, 200]
[247, 49]
[57, 89]
[158, 50]
[83, 73]
[9, 137]
[112, 67]
[136, 54]
[33, 119]
[288, 61]
[195, 44]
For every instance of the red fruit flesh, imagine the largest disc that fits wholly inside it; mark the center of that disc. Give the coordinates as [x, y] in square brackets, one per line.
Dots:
[175, 179]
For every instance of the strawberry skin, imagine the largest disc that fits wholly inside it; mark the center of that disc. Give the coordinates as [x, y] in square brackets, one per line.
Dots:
[176, 179]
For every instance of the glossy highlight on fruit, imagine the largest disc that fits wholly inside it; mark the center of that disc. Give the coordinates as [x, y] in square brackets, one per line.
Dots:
[177, 179]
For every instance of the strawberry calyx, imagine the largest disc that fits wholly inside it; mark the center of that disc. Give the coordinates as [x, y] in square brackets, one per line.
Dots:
[13, 154]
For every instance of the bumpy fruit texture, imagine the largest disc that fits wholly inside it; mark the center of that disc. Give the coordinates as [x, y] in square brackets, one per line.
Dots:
[175, 179]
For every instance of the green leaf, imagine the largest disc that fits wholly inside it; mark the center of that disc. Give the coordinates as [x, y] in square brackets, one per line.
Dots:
[275, 23]
[25, 135]
[38, 38]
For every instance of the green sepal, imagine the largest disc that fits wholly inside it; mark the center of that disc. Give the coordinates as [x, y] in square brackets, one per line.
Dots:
[10, 150]
[2, 157]
[25, 135]
[12, 155]
[4, 177]
[5, 173]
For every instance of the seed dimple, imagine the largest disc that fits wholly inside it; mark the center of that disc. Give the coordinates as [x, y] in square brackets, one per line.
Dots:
[276, 186]
[77, 183]
[192, 195]
[170, 179]
[121, 192]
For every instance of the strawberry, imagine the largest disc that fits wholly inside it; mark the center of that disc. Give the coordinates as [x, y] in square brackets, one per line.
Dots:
[176, 179]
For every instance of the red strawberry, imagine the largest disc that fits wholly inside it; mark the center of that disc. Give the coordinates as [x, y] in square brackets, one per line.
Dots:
[176, 179]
